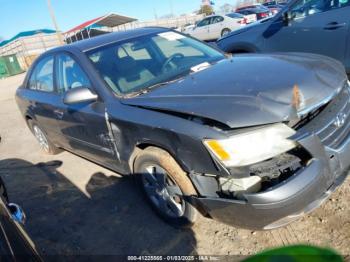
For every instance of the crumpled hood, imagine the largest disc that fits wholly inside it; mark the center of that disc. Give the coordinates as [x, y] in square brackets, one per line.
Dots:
[251, 90]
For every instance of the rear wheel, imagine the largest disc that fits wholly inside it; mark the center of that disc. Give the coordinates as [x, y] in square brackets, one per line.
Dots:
[165, 184]
[45, 145]
[225, 32]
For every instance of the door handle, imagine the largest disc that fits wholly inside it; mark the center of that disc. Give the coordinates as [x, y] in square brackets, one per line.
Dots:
[334, 26]
[59, 114]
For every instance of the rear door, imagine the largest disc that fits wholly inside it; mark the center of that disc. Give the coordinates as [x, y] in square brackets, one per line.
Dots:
[201, 31]
[42, 97]
[83, 126]
[319, 26]
[216, 26]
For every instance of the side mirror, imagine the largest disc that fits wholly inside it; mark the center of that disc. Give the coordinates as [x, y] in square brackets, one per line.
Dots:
[79, 95]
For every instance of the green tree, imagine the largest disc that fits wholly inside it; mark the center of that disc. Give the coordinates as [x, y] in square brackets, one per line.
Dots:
[206, 9]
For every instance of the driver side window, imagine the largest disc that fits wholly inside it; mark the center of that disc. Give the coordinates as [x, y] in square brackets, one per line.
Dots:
[69, 74]
[305, 8]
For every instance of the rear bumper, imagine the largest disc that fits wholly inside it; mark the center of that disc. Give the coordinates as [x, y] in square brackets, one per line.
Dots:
[292, 199]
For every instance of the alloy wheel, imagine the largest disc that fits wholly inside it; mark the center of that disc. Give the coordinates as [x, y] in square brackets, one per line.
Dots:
[164, 193]
[40, 136]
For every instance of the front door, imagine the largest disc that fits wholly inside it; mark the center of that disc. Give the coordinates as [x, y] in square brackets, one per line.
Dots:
[318, 26]
[83, 125]
[216, 27]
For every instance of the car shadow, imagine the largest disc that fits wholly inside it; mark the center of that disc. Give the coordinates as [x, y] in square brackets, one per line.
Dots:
[116, 220]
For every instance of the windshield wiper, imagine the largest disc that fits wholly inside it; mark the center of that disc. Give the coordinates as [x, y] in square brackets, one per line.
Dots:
[146, 90]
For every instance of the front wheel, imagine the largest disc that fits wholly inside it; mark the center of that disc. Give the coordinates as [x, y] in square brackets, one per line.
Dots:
[165, 184]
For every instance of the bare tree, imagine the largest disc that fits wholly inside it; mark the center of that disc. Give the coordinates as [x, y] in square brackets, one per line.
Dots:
[206, 9]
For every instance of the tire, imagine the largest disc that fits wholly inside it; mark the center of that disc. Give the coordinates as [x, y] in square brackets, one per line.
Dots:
[225, 32]
[45, 144]
[165, 184]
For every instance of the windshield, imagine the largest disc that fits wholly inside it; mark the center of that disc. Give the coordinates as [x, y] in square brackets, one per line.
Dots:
[141, 63]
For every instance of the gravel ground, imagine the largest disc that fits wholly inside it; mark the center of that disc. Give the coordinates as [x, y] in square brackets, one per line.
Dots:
[75, 207]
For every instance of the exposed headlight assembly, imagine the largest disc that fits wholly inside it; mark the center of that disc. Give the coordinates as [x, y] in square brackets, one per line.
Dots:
[252, 147]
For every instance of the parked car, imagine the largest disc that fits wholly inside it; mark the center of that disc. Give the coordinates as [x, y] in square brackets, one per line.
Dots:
[274, 8]
[318, 26]
[243, 19]
[214, 27]
[15, 244]
[259, 11]
[254, 141]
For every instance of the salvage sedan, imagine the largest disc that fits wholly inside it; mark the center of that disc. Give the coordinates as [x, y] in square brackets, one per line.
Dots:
[254, 141]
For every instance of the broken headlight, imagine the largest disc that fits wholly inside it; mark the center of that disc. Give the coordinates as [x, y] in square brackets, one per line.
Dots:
[253, 146]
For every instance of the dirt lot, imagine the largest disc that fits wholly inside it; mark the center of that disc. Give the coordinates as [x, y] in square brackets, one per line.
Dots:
[76, 207]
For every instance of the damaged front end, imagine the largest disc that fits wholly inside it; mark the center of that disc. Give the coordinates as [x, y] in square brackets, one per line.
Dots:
[290, 173]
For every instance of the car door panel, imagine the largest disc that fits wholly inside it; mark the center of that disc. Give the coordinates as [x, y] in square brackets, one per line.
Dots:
[201, 31]
[215, 27]
[85, 130]
[82, 125]
[42, 97]
[323, 33]
[43, 106]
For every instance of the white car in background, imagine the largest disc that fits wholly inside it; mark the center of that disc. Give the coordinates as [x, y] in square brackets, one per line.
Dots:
[215, 26]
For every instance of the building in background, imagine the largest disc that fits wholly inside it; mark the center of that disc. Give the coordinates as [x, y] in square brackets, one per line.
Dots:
[27, 46]
[97, 26]
[114, 22]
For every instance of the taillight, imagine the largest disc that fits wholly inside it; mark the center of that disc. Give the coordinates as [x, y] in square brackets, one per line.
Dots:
[263, 15]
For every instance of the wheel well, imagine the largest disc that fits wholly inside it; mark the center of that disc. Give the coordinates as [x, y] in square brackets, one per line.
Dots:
[142, 146]
[28, 119]
[225, 29]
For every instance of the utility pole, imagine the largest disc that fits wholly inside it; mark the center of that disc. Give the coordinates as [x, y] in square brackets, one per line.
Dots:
[52, 14]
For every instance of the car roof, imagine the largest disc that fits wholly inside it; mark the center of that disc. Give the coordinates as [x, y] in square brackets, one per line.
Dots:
[102, 40]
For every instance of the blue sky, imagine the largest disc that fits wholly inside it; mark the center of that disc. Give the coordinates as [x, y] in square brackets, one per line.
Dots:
[24, 15]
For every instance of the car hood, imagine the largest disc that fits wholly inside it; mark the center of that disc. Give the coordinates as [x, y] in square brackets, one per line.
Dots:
[251, 90]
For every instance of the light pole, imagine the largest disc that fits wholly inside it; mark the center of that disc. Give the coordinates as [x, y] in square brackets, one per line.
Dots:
[52, 14]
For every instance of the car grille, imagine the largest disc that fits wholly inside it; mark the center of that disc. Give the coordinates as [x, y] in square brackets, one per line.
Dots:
[332, 124]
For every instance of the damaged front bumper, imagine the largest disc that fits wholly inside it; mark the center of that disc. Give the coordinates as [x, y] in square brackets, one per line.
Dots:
[277, 207]
[301, 193]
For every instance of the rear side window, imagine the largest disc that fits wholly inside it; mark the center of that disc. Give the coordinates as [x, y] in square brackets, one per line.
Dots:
[69, 74]
[217, 19]
[42, 76]
[204, 22]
